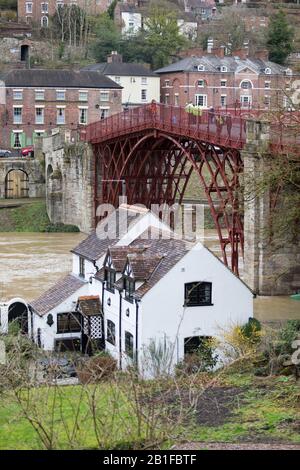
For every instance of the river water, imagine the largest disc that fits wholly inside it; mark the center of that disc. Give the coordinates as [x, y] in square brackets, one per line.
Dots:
[31, 262]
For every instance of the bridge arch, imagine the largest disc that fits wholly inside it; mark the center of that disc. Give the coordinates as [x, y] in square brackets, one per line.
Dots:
[16, 184]
[157, 166]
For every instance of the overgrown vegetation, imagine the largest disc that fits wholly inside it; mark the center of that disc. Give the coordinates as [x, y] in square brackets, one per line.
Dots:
[31, 217]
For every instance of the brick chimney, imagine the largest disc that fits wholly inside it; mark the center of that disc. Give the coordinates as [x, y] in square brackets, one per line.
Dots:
[115, 58]
[218, 51]
[192, 52]
[262, 54]
[241, 53]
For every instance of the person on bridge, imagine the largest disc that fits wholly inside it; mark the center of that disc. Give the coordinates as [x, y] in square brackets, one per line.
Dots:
[153, 109]
[229, 124]
[219, 124]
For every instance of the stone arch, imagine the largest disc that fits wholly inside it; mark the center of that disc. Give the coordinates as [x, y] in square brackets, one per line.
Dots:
[18, 313]
[16, 184]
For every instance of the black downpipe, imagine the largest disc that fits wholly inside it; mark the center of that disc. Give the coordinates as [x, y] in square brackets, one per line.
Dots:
[136, 333]
[120, 331]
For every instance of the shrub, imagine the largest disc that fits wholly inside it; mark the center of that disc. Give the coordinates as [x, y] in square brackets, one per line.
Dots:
[97, 368]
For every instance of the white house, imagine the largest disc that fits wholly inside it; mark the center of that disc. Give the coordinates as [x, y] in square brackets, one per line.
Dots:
[126, 292]
[140, 84]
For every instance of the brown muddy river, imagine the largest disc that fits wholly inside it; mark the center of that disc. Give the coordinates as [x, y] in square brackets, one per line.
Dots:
[31, 262]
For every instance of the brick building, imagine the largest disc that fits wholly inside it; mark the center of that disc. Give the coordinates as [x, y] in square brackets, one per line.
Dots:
[33, 102]
[39, 11]
[218, 81]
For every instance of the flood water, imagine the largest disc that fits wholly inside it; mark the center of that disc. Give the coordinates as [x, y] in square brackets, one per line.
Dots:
[31, 262]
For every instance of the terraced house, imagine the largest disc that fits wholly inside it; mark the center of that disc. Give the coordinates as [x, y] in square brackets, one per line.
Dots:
[34, 102]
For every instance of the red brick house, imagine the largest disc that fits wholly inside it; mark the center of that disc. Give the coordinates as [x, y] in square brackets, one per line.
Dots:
[39, 11]
[33, 102]
[219, 81]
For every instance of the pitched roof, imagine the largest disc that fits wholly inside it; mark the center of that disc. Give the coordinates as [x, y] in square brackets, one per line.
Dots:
[121, 69]
[58, 78]
[213, 64]
[89, 305]
[53, 297]
[143, 265]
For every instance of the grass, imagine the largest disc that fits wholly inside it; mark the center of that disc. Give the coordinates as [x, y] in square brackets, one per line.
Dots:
[30, 217]
[268, 411]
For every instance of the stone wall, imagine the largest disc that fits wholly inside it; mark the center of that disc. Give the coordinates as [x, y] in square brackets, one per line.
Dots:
[271, 266]
[69, 182]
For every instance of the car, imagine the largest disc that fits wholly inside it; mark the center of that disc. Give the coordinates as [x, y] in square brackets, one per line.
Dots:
[28, 151]
[5, 153]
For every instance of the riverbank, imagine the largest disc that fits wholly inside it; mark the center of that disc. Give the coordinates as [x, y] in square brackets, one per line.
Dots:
[29, 216]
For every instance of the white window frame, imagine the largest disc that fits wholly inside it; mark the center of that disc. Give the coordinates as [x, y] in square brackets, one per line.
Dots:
[223, 105]
[39, 95]
[104, 109]
[17, 132]
[223, 68]
[83, 95]
[17, 97]
[221, 83]
[42, 116]
[244, 103]
[144, 80]
[204, 100]
[19, 116]
[28, 7]
[144, 95]
[201, 68]
[167, 98]
[44, 7]
[267, 85]
[104, 94]
[44, 17]
[63, 92]
[176, 99]
[248, 87]
[268, 71]
[117, 80]
[58, 109]
[201, 83]
[83, 109]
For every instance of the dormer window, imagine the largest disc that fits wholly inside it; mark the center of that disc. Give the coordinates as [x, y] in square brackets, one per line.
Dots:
[129, 287]
[268, 71]
[201, 68]
[223, 68]
[289, 72]
[110, 278]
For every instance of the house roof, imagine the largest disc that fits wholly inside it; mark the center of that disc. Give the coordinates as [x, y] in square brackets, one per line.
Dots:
[89, 305]
[213, 64]
[121, 69]
[53, 297]
[58, 78]
[98, 242]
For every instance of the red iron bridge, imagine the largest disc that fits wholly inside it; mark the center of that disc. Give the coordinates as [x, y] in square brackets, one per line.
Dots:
[152, 151]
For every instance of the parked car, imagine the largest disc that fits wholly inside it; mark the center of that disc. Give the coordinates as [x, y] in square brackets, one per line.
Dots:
[28, 151]
[5, 153]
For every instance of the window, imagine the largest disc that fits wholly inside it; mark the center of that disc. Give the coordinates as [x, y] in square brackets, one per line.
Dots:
[28, 7]
[39, 95]
[223, 68]
[267, 100]
[129, 286]
[104, 113]
[132, 80]
[144, 81]
[64, 345]
[60, 95]
[201, 100]
[39, 115]
[17, 140]
[245, 101]
[129, 344]
[201, 68]
[167, 83]
[17, 115]
[44, 22]
[223, 83]
[110, 278]
[167, 98]
[104, 96]
[144, 95]
[267, 84]
[18, 94]
[68, 322]
[83, 115]
[201, 83]
[44, 7]
[197, 294]
[59, 4]
[81, 267]
[118, 80]
[223, 100]
[60, 116]
[111, 332]
[83, 96]
[246, 85]
[268, 71]
[176, 99]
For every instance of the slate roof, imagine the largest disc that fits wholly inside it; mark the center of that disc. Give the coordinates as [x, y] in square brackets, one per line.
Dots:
[97, 243]
[121, 69]
[89, 305]
[63, 289]
[213, 64]
[58, 78]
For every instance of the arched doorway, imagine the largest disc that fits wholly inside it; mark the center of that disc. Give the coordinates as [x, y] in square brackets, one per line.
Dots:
[16, 184]
[18, 312]
[24, 53]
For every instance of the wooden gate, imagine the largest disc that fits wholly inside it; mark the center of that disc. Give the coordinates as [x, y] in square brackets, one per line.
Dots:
[17, 184]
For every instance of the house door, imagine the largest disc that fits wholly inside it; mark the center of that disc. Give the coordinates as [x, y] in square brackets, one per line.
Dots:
[16, 184]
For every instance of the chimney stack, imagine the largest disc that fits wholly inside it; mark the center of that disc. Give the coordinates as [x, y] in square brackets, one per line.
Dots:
[262, 54]
[218, 51]
[114, 58]
[241, 53]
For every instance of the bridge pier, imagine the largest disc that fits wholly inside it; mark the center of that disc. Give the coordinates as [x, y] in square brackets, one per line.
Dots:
[271, 266]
